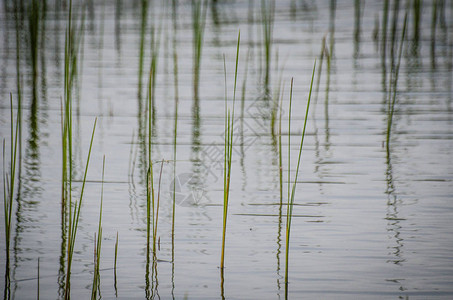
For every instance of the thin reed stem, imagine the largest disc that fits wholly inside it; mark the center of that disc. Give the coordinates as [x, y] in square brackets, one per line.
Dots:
[394, 88]
[157, 207]
[97, 249]
[114, 265]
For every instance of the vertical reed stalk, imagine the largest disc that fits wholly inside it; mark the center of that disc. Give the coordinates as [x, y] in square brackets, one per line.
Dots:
[37, 292]
[391, 108]
[155, 43]
[97, 248]
[73, 37]
[290, 205]
[175, 134]
[144, 15]
[175, 130]
[229, 128]
[114, 266]
[150, 203]
[157, 208]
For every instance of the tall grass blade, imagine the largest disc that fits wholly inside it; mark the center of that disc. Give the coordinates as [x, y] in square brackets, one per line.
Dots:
[74, 216]
[175, 132]
[144, 17]
[293, 190]
[150, 204]
[391, 108]
[157, 208]
[97, 249]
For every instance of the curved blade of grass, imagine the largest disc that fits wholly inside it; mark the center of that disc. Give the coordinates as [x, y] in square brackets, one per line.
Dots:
[293, 191]
[229, 129]
[74, 219]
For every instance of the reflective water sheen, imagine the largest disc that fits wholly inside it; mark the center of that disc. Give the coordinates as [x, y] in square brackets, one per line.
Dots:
[372, 214]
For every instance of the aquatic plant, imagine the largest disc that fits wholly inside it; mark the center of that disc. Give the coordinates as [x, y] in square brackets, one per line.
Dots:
[73, 38]
[97, 247]
[394, 84]
[74, 215]
[9, 182]
[175, 135]
[155, 43]
[38, 284]
[114, 265]
[290, 204]
[228, 153]
[150, 178]
[152, 206]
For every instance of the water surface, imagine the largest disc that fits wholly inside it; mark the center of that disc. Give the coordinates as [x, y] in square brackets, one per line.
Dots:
[370, 221]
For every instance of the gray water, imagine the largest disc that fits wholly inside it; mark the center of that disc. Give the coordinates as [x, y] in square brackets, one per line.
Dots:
[368, 222]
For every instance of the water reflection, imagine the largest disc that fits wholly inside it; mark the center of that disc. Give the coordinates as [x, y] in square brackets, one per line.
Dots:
[222, 284]
[118, 16]
[151, 278]
[358, 12]
[394, 221]
[199, 169]
[143, 31]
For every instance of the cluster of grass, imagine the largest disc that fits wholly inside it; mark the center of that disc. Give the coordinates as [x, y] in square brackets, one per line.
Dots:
[74, 34]
[72, 205]
[152, 204]
[228, 153]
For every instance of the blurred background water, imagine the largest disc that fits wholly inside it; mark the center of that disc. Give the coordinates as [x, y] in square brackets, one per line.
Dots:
[372, 215]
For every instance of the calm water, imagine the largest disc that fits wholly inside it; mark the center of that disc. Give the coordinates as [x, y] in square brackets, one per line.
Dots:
[368, 223]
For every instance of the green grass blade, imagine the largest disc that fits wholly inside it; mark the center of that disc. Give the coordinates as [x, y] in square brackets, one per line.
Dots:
[293, 191]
